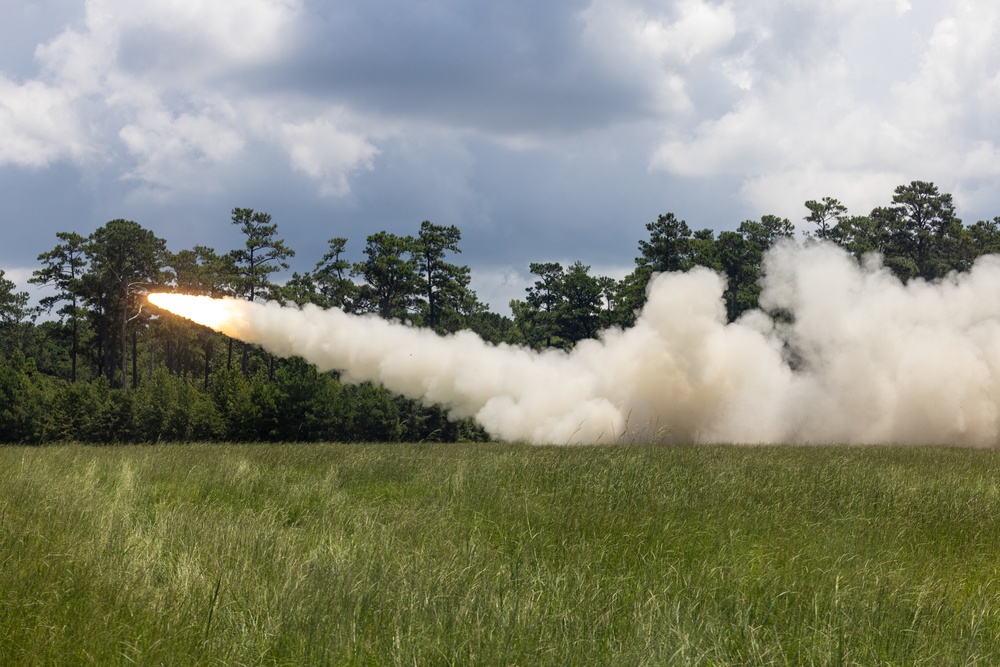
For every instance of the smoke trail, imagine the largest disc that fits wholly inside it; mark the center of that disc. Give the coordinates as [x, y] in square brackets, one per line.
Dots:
[861, 359]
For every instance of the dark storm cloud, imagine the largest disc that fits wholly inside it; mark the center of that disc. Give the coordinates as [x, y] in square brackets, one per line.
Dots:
[506, 67]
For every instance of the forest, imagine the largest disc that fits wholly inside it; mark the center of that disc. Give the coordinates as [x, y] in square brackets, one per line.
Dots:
[93, 363]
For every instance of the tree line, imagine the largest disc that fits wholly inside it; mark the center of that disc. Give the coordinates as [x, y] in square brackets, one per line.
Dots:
[102, 367]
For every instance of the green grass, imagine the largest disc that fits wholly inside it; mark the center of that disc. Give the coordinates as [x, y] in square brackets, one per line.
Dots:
[498, 555]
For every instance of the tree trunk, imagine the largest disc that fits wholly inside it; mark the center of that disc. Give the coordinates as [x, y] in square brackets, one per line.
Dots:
[135, 360]
[208, 359]
[124, 349]
[110, 361]
[76, 346]
[100, 355]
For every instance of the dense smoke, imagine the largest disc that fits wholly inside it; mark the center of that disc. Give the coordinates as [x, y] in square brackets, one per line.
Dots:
[855, 356]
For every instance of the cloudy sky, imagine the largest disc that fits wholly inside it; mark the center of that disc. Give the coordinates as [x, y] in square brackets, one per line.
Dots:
[546, 131]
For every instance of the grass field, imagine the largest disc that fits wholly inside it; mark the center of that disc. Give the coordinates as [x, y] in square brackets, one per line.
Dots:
[498, 555]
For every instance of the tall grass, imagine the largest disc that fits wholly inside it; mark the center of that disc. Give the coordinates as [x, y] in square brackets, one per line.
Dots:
[498, 555]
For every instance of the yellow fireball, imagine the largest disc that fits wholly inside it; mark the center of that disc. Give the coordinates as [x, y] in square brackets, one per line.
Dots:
[218, 314]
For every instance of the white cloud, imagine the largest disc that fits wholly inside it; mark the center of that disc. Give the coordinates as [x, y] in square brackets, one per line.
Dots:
[79, 62]
[700, 29]
[166, 144]
[326, 153]
[653, 47]
[809, 117]
[813, 117]
[137, 86]
[38, 125]
[19, 276]
[640, 35]
[221, 33]
[182, 42]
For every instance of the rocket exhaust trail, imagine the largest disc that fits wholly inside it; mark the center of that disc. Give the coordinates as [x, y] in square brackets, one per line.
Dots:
[864, 359]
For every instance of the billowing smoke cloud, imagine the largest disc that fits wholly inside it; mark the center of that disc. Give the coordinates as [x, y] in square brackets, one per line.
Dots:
[856, 357]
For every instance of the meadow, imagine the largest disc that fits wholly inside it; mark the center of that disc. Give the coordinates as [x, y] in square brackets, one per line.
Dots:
[498, 555]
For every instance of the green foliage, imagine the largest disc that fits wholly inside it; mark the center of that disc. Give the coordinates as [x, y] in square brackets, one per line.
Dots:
[740, 264]
[13, 304]
[432, 424]
[445, 295]
[331, 278]
[311, 404]
[20, 407]
[245, 405]
[704, 251]
[564, 306]
[741, 257]
[390, 275]
[203, 271]
[118, 423]
[762, 235]
[48, 344]
[538, 317]
[375, 417]
[181, 384]
[919, 236]
[76, 411]
[493, 327]
[628, 296]
[822, 212]
[924, 230]
[166, 408]
[578, 313]
[62, 268]
[124, 259]
[300, 404]
[861, 235]
[670, 246]
[984, 236]
[261, 255]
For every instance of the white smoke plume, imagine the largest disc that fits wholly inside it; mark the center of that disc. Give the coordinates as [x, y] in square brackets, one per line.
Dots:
[861, 359]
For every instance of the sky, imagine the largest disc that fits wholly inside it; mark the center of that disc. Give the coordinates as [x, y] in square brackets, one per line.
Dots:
[545, 131]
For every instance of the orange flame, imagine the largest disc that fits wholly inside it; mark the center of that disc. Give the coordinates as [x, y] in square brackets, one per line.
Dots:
[219, 314]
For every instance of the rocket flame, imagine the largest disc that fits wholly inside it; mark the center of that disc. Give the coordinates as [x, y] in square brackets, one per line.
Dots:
[223, 315]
